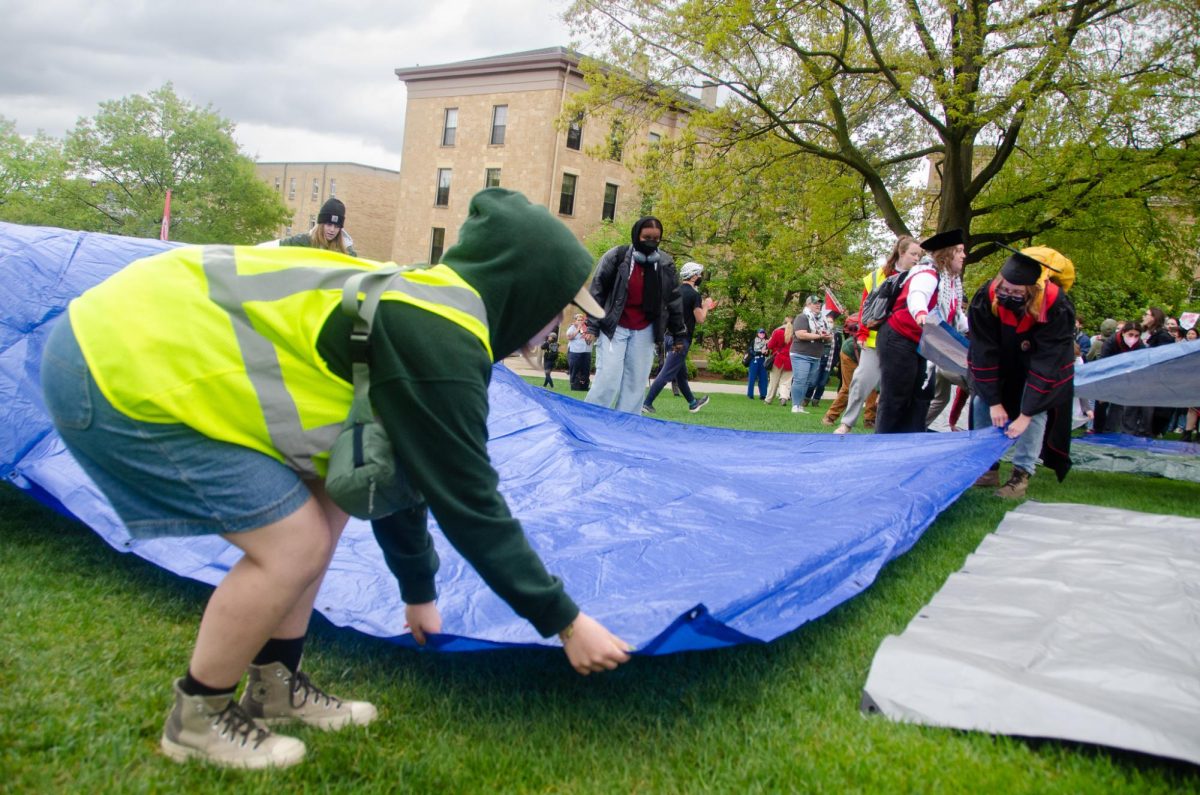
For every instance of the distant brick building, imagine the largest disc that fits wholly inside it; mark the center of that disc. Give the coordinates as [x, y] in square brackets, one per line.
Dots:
[491, 121]
[369, 193]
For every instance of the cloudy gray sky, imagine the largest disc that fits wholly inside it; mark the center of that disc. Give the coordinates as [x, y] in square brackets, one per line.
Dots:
[302, 80]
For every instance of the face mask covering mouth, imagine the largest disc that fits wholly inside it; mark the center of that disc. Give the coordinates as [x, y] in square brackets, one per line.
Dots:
[646, 246]
[1013, 303]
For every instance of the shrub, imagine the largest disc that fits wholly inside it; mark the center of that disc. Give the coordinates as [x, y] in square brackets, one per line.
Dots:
[727, 364]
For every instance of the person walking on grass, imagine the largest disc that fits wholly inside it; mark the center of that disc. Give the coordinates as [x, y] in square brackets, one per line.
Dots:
[674, 369]
[848, 355]
[202, 388]
[757, 362]
[579, 355]
[810, 335]
[549, 358]
[781, 371]
[639, 291]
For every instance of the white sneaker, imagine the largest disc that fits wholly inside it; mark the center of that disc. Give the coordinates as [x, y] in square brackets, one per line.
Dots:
[798, 409]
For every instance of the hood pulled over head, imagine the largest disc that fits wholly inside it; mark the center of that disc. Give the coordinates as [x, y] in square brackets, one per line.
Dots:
[525, 264]
[646, 247]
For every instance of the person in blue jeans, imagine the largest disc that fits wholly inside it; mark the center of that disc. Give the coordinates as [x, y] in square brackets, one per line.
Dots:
[809, 337]
[759, 356]
[639, 291]
[1021, 366]
[674, 369]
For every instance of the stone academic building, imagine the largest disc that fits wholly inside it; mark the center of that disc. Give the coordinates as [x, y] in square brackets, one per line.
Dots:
[492, 122]
[369, 193]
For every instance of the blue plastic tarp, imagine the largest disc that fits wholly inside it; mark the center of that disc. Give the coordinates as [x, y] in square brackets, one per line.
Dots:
[677, 537]
[1168, 376]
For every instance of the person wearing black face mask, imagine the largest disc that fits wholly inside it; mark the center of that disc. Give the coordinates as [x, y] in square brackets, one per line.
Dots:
[639, 290]
[1021, 365]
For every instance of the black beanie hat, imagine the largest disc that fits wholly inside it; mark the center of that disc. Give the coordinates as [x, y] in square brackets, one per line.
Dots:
[332, 212]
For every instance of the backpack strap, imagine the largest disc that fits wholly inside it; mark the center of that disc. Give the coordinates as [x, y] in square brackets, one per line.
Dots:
[372, 284]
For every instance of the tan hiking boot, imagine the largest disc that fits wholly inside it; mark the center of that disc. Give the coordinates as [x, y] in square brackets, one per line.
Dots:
[989, 479]
[216, 729]
[274, 695]
[1017, 483]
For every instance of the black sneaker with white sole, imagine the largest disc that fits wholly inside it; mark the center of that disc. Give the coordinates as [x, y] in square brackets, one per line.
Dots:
[698, 404]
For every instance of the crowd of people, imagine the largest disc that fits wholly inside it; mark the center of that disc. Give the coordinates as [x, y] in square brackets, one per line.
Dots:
[1024, 337]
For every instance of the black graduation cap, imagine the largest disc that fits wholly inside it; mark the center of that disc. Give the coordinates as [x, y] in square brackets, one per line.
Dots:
[1021, 269]
[947, 239]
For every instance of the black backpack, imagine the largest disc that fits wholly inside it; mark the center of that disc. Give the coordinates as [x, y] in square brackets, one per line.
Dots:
[879, 303]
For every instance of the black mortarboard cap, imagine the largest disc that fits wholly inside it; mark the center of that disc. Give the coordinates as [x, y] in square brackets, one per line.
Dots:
[947, 239]
[1021, 269]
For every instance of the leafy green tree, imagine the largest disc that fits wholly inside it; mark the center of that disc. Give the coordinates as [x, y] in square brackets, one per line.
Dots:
[125, 159]
[30, 171]
[878, 86]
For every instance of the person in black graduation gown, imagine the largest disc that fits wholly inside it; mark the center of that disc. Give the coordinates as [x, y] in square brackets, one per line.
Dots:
[1021, 368]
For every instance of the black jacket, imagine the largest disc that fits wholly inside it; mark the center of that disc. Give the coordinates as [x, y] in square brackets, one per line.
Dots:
[610, 287]
[1027, 365]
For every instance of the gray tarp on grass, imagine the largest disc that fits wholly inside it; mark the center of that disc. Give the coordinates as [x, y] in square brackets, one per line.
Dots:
[1104, 458]
[1071, 622]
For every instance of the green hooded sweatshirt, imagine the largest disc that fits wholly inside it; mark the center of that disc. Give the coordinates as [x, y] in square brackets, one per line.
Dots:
[429, 382]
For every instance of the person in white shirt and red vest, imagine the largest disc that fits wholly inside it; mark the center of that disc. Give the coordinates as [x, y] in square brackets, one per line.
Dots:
[1021, 365]
[903, 394]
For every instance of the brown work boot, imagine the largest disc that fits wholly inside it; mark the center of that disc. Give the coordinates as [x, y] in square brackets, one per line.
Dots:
[989, 479]
[1017, 483]
[275, 695]
[216, 729]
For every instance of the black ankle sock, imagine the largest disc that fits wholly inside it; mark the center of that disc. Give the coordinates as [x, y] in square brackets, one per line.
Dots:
[194, 687]
[283, 650]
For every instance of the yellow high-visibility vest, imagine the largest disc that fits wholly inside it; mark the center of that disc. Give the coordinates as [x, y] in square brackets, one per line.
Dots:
[224, 340]
[870, 282]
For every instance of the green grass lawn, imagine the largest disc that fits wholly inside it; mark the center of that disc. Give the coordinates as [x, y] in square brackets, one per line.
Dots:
[90, 640]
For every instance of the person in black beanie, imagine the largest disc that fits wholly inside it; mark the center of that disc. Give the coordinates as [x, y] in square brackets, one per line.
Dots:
[328, 232]
[639, 290]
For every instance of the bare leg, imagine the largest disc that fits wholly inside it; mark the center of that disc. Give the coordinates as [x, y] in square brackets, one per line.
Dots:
[268, 593]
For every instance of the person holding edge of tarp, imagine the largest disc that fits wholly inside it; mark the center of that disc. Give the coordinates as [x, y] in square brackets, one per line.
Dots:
[202, 389]
[1021, 365]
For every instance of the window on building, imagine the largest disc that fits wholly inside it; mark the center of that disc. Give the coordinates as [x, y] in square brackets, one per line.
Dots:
[316, 191]
[499, 123]
[575, 133]
[437, 244]
[278, 184]
[655, 139]
[491, 178]
[332, 187]
[292, 188]
[287, 230]
[616, 140]
[312, 221]
[450, 127]
[609, 211]
[443, 188]
[566, 200]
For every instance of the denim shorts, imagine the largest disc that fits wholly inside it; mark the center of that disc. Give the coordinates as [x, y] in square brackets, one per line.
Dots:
[163, 479]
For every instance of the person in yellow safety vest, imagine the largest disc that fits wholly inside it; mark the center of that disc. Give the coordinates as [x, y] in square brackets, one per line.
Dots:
[202, 388]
